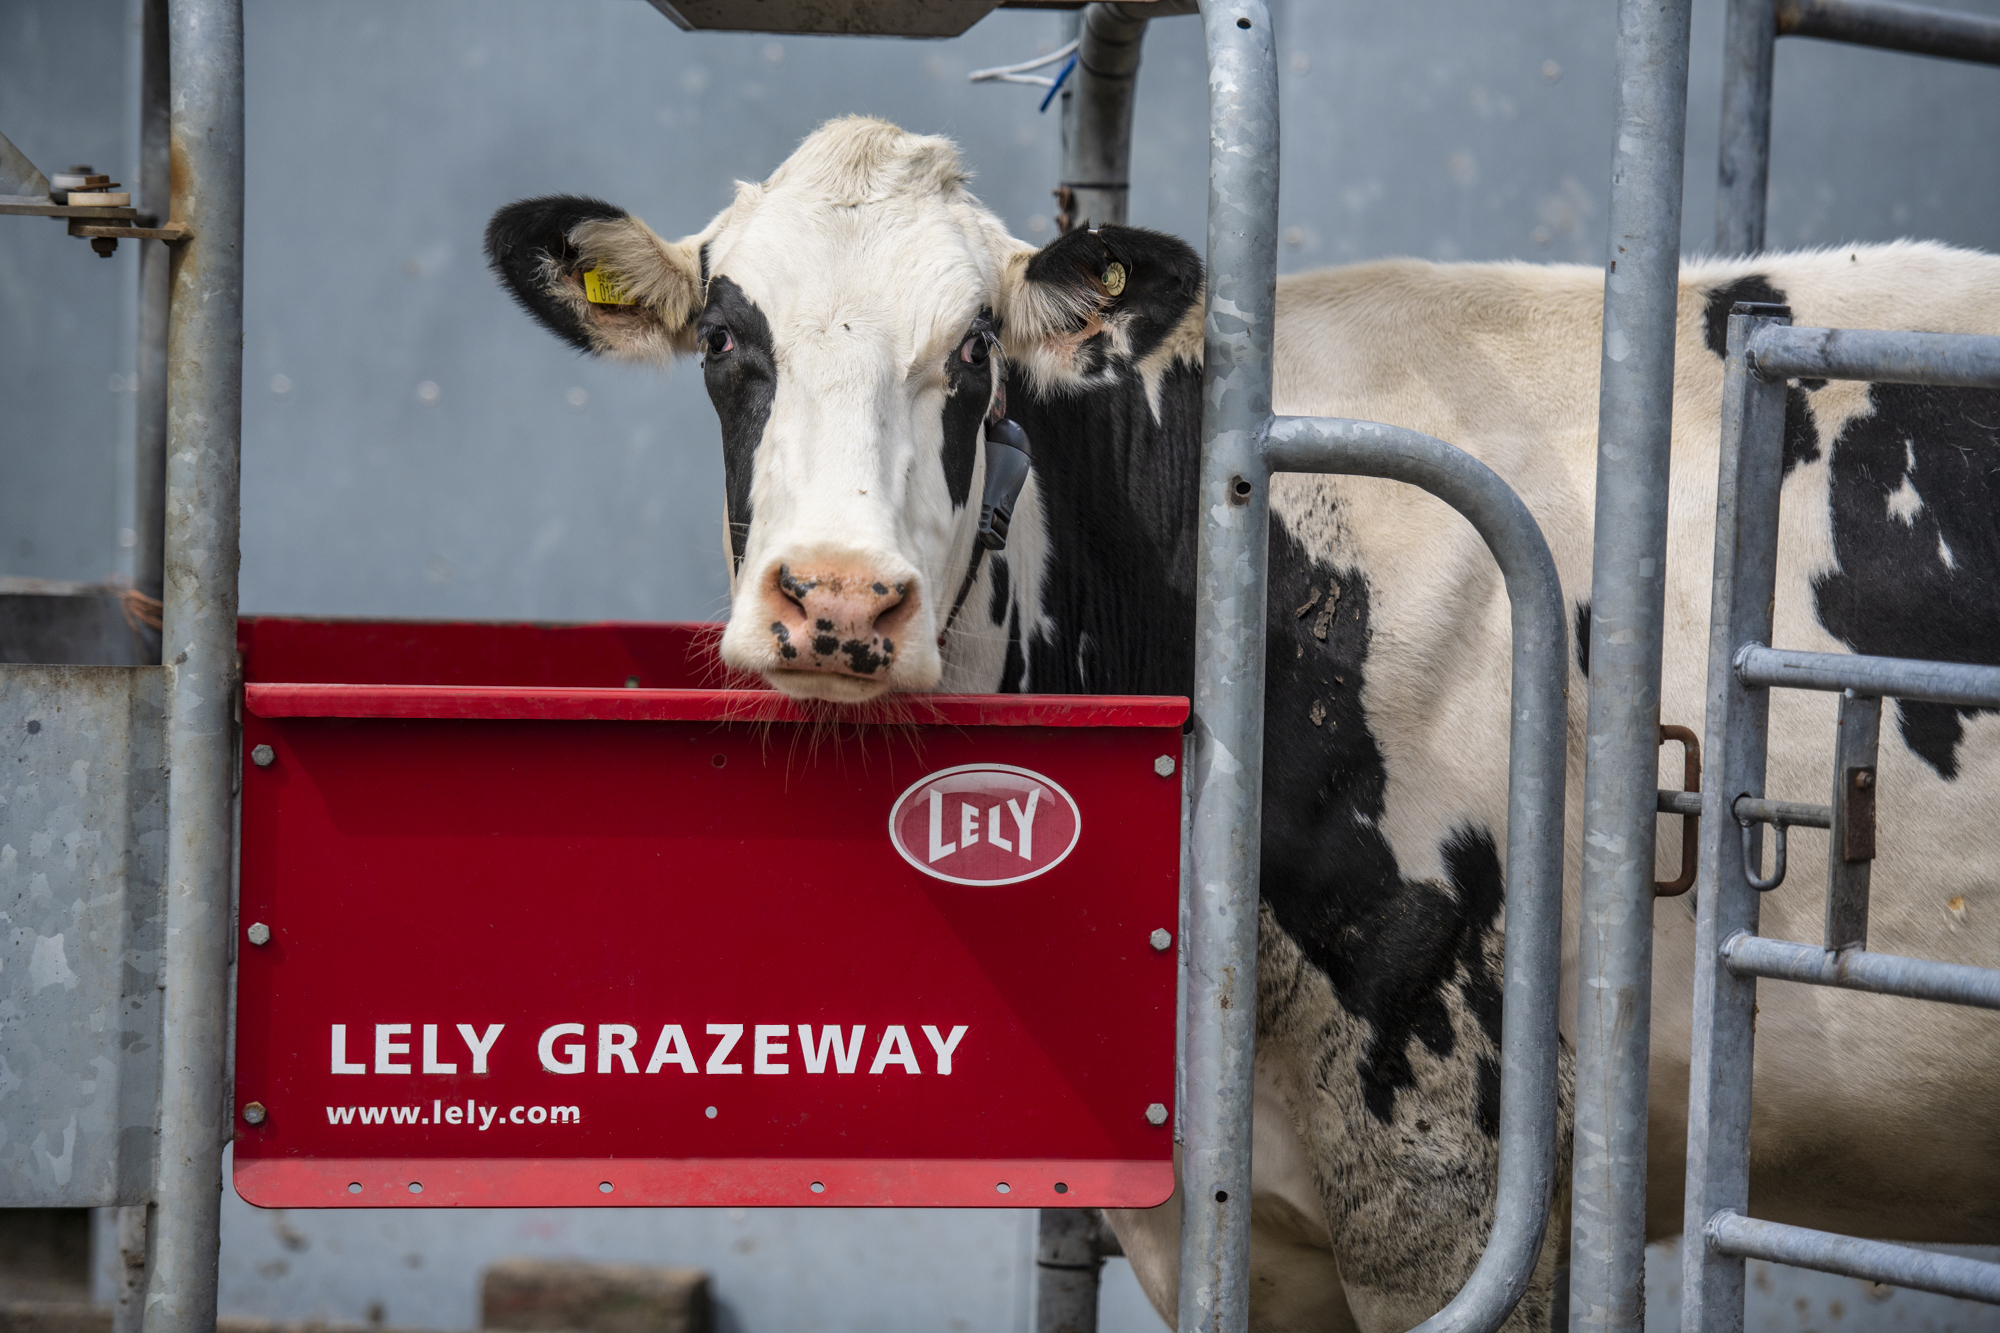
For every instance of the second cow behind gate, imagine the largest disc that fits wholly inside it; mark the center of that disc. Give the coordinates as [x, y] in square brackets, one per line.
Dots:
[860, 316]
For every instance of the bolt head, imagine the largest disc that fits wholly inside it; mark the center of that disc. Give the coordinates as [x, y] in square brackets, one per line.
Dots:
[1156, 1114]
[262, 756]
[1162, 939]
[1164, 765]
[260, 934]
[254, 1113]
[1864, 780]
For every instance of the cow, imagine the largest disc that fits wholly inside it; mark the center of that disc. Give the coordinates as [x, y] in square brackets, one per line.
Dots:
[862, 323]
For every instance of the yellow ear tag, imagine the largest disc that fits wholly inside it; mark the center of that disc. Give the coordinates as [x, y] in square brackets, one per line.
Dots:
[1114, 279]
[602, 288]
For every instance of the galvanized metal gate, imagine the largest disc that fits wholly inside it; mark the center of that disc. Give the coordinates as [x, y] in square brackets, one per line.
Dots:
[1764, 353]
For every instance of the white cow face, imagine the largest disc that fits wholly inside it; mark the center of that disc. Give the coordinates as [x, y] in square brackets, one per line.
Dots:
[846, 314]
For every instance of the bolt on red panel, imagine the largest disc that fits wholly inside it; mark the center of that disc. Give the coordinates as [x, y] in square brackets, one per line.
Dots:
[527, 947]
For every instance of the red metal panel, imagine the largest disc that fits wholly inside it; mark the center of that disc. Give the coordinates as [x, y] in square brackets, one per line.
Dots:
[469, 702]
[471, 652]
[631, 861]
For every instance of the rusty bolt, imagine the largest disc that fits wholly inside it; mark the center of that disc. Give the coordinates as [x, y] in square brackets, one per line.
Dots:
[254, 1113]
[263, 756]
[260, 934]
[1164, 765]
[1161, 939]
[1864, 780]
[1156, 1114]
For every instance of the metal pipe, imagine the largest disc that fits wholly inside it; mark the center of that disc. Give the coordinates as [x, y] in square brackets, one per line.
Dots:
[204, 420]
[1627, 595]
[1069, 1257]
[1871, 1260]
[1965, 360]
[1798, 813]
[1537, 742]
[1919, 30]
[149, 467]
[1224, 827]
[1961, 683]
[1721, 1042]
[1097, 144]
[1743, 175]
[1749, 955]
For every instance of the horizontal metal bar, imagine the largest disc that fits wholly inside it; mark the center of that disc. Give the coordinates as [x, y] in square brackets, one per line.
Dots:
[1759, 810]
[1967, 360]
[1871, 1260]
[1750, 955]
[1958, 683]
[1922, 31]
[1680, 803]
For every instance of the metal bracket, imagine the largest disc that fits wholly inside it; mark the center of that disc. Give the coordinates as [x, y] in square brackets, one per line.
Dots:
[1690, 821]
[1851, 849]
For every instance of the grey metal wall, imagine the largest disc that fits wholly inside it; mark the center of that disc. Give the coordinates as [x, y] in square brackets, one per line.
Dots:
[413, 446]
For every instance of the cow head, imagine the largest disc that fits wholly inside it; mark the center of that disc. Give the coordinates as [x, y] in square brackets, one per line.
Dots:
[852, 315]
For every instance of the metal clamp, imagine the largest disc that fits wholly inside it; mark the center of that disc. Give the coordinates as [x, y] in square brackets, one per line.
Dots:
[1690, 823]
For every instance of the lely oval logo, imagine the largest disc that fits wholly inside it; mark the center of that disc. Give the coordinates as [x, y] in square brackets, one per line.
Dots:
[984, 824]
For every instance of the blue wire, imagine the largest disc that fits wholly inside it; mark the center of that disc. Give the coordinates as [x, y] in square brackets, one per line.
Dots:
[1056, 87]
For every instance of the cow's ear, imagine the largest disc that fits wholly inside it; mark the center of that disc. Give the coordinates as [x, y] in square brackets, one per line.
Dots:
[597, 277]
[1140, 288]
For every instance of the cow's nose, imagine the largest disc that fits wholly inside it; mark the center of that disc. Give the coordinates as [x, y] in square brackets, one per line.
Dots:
[841, 620]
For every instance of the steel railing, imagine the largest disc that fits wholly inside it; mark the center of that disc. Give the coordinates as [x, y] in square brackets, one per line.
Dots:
[1763, 351]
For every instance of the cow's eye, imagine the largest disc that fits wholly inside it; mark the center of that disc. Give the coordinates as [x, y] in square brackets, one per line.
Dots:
[717, 341]
[973, 350]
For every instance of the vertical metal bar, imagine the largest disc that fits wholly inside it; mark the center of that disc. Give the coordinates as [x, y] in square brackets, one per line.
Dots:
[1750, 36]
[1745, 581]
[1850, 850]
[1627, 593]
[1229, 667]
[149, 474]
[204, 419]
[1068, 1260]
[1097, 151]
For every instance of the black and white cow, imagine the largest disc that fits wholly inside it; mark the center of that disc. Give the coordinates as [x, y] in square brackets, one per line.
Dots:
[857, 317]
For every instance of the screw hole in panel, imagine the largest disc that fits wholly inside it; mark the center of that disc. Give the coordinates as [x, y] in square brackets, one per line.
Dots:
[1001, 1188]
[1061, 1188]
[1243, 23]
[710, 1113]
[354, 1188]
[1222, 1196]
[818, 1188]
[604, 1187]
[719, 760]
[416, 1187]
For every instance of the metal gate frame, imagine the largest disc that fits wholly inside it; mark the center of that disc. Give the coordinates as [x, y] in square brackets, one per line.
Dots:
[1764, 352]
[1243, 445]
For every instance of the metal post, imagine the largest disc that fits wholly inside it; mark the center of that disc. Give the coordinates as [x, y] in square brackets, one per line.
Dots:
[204, 419]
[1750, 35]
[1097, 149]
[1745, 582]
[1628, 588]
[1070, 1248]
[149, 488]
[1221, 979]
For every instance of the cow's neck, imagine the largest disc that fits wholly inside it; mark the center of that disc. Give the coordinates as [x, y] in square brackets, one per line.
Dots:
[1099, 590]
